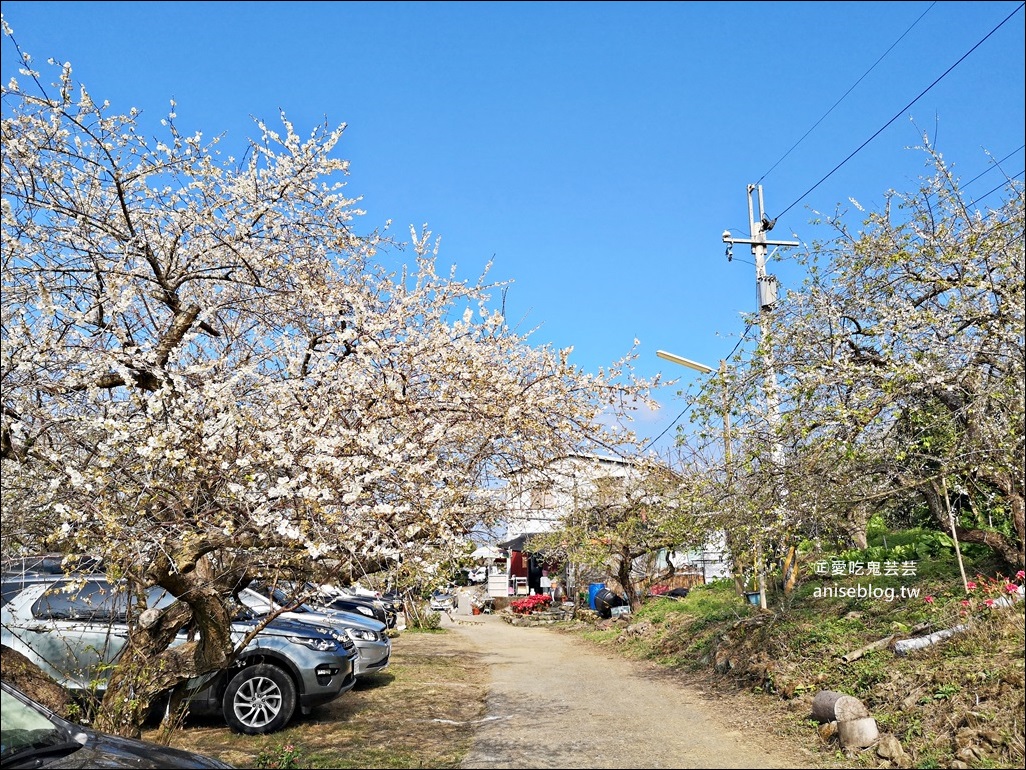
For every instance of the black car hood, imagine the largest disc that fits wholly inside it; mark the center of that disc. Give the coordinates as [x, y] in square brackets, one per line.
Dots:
[286, 627]
[109, 751]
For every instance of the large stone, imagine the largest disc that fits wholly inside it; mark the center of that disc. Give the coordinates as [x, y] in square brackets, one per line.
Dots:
[970, 754]
[889, 747]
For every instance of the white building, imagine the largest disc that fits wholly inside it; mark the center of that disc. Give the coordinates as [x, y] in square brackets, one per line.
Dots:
[542, 500]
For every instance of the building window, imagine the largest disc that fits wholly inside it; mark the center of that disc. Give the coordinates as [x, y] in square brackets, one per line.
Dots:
[542, 498]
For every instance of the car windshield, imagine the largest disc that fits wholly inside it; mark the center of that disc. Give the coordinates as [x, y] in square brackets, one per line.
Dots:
[240, 612]
[23, 728]
[92, 599]
[259, 604]
[283, 598]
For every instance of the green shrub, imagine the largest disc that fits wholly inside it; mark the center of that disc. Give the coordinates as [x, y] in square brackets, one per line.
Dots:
[424, 620]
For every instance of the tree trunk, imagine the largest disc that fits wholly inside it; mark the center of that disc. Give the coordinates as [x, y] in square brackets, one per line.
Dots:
[830, 706]
[149, 665]
[623, 575]
[858, 733]
[1018, 506]
[1003, 546]
[34, 682]
[790, 569]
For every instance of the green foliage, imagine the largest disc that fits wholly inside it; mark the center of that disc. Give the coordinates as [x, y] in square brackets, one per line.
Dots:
[602, 637]
[659, 610]
[712, 602]
[945, 691]
[425, 620]
[903, 545]
[867, 672]
[284, 755]
[876, 527]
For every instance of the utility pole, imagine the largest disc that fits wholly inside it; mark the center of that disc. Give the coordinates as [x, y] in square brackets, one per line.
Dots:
[765, 297]
[726, 420]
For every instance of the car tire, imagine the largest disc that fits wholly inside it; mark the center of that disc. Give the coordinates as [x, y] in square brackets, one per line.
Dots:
[260, 699]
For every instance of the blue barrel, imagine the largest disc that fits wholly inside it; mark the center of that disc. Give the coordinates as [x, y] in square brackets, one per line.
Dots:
[593, 589]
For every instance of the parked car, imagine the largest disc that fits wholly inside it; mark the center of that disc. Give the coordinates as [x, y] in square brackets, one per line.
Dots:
[33, 736]
[355, 589]
[442, 601]
[391, 609]
[75, 627]
[392, 600]
[52, 564]
[324, 599]
[348, 601]
[369, 635]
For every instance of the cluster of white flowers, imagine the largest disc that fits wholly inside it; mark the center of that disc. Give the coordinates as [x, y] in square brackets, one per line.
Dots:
[196, 349]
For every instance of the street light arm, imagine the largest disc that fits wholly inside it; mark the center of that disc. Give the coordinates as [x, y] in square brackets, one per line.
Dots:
[685, 362]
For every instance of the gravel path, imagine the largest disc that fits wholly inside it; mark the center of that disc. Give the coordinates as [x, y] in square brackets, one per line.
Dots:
[555, 702]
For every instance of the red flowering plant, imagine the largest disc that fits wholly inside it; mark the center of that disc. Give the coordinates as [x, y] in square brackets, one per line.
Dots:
[986, 593]
[530, 604]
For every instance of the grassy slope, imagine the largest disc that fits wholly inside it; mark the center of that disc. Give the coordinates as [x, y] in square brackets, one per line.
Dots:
[958, 703]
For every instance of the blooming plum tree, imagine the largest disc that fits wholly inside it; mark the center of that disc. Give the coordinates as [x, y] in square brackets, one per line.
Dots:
[901, 367]
[209, 375]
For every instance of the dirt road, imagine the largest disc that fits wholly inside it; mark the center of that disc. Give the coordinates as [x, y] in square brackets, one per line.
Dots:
[557, 702]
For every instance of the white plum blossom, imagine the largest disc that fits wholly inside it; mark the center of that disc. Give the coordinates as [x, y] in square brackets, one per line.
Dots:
[205, 358]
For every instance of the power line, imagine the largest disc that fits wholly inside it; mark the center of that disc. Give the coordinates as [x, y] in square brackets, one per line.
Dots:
[843, 96]
[690, 403]
[900, 112]
[991, 192]
[996, 165]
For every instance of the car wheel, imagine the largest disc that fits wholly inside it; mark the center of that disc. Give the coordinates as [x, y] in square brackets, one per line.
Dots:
[260, 699]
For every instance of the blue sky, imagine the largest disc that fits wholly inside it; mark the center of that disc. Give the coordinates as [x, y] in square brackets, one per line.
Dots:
[596, 151]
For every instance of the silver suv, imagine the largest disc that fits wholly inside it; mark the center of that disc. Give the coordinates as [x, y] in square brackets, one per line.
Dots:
[369, 635]
[75, 627]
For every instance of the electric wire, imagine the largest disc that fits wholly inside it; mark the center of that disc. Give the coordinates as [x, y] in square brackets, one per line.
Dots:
[994, 190]
[900, 112]
[996, 165]
[845, 94]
